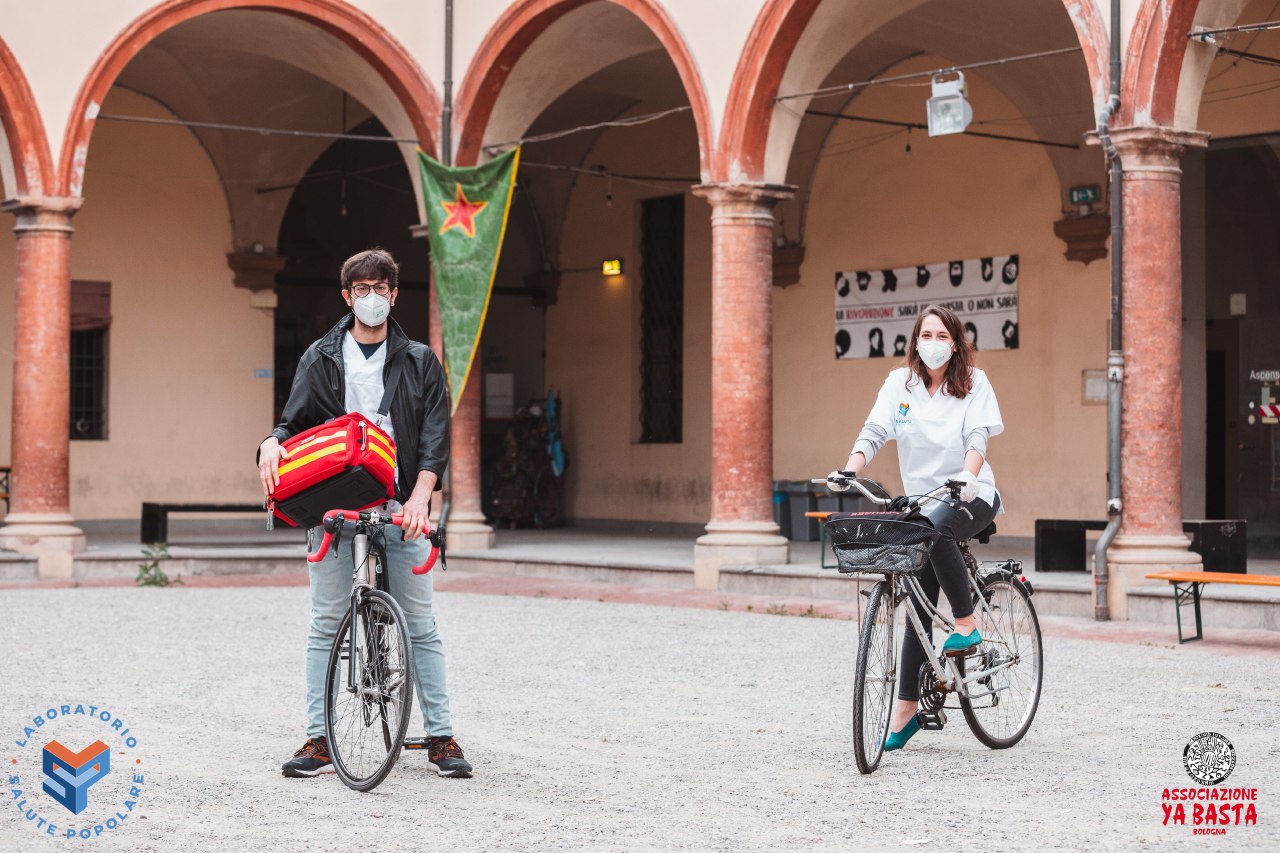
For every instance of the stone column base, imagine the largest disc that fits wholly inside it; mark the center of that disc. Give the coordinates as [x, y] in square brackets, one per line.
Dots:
[736, 543]
[51, 538]
[466, 531]
[1131, 558]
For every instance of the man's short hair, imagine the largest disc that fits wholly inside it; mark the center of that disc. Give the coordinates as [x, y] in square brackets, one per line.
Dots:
[371, 265]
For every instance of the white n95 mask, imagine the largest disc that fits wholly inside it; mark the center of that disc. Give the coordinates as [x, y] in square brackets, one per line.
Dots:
[372, 309]
[934, 354]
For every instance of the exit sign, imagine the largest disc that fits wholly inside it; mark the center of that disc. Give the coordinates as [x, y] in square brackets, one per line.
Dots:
[1084, 195]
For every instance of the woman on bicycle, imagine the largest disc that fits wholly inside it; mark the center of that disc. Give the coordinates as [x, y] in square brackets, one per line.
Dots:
[941, 410]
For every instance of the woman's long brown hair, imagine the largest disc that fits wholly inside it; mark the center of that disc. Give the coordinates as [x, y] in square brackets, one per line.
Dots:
[958, 381]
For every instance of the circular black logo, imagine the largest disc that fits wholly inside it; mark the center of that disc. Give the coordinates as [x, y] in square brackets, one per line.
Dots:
[1209, 758]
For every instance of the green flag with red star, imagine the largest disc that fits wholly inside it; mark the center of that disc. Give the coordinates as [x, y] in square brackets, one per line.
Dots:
[467, 218]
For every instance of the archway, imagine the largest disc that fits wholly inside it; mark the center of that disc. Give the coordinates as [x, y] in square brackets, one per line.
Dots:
[230, 107]
[556, 320]
[26, 166]
[414, 96]
[755, 145]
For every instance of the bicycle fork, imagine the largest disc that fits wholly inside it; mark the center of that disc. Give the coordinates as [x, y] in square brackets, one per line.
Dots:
[360, 554]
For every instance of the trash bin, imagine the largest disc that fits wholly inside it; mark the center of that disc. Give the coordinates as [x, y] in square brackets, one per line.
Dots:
[791, 500]
[782, 508]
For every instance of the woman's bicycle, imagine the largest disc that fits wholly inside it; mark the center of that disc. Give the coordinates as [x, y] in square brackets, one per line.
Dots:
[996, 685]
[368, 690]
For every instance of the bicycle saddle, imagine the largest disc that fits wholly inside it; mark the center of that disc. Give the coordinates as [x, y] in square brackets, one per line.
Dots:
[984, 535]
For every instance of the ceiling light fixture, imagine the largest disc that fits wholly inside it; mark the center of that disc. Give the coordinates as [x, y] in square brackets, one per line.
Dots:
[949, 111]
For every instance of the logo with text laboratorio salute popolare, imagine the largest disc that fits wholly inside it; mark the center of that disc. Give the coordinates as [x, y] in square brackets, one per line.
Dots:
[74, 771]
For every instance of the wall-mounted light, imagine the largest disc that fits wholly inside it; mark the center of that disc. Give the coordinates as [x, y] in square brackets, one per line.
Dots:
[949, 111]
[611, 266]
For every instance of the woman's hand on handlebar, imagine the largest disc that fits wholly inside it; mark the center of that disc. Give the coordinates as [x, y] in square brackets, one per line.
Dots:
[841, 481]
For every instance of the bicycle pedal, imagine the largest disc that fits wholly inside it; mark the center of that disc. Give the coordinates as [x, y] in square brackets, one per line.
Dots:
[933, 720]
[415, 743]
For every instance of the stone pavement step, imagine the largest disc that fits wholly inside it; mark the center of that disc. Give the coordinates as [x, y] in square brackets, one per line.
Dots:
[1224, 640]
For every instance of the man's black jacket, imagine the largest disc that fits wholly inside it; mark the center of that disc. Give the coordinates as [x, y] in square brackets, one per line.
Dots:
[419, 410]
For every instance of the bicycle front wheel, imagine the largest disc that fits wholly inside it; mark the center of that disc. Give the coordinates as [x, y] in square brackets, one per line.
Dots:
[1000, 707]
[874, 678]
[369, 691]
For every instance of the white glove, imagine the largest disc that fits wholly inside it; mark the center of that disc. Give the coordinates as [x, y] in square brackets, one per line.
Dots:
[839, 482]
[969, 490]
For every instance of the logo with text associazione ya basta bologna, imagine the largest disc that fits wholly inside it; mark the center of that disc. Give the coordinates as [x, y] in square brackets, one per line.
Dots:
[77, 773]
[1211, 807]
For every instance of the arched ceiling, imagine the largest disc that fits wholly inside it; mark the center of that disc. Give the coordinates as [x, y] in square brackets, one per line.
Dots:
[1052, 96]
[263, 69]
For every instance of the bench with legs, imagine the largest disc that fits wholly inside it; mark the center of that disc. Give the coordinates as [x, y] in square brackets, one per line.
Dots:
[155, 516]
[1187, 586]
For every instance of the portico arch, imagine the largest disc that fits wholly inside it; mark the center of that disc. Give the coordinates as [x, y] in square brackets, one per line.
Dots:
[517, 30]
[414, 95]
[26, 166]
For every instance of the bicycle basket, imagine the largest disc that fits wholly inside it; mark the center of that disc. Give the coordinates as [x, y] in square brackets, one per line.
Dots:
[880, 542]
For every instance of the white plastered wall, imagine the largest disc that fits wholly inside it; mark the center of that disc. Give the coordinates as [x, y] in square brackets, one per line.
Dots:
[952, 198]
[592, 341]
[184, 409]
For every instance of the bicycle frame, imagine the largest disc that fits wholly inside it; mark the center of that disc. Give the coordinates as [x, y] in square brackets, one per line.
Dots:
[361, 582]
[359, 585]
[907, 586]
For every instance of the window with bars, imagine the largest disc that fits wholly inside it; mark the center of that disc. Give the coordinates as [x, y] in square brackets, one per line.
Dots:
[662, 320]
[90, 321]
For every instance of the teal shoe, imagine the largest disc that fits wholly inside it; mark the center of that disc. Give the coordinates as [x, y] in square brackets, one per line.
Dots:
[898, 739]
[958, 644]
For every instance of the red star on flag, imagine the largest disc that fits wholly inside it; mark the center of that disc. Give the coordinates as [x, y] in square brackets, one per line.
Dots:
[462, 213]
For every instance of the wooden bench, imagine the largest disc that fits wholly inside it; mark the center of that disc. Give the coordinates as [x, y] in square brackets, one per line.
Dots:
[1187, 585]
[822, 537]
[155, 516]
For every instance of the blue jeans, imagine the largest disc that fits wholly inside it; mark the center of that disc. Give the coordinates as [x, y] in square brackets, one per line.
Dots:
[330, 595]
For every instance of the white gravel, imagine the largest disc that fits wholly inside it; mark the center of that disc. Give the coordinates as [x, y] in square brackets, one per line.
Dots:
[619, 727]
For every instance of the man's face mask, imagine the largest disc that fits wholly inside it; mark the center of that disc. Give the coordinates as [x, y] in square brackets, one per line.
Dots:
[372, 309]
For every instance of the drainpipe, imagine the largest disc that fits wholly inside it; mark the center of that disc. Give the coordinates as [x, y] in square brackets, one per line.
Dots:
[1115, 358]
[446, 157]
[446, 113]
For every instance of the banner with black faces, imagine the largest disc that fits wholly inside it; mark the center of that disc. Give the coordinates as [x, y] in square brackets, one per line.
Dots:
[877, 309]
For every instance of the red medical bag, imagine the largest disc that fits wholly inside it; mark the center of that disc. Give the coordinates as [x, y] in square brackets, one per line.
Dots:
[345, 463]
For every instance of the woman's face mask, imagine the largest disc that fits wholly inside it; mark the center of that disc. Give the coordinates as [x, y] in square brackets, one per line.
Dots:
[934, 354]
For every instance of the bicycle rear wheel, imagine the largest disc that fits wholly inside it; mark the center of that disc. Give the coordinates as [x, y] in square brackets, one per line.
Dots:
[366, 716]
[1005, 702]
[874, 678]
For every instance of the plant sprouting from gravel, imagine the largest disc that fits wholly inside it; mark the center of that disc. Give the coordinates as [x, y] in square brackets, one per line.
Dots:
[149, 572]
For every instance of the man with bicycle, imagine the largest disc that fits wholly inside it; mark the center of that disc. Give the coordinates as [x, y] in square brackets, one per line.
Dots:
[342, 372]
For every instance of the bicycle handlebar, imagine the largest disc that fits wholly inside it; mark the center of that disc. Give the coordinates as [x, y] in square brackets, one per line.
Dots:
[852, 479]
[334, 518]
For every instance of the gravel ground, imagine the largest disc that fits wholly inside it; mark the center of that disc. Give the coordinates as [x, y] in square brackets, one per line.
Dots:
[610, 727]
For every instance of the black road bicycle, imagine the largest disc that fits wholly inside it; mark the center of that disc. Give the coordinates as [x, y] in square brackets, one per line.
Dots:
[996, 685]
[368, 689]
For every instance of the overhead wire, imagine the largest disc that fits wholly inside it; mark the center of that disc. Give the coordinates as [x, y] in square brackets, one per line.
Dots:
[828, 91]
[557, 134]
[261, 131]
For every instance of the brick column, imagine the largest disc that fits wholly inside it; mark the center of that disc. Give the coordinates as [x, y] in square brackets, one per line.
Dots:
[1151, 536]
[466, 527]
[741, 530]
[39, 521]
[435, 334]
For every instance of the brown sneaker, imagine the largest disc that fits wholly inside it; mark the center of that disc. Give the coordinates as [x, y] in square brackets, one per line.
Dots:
[446, 758]
[312, 759]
